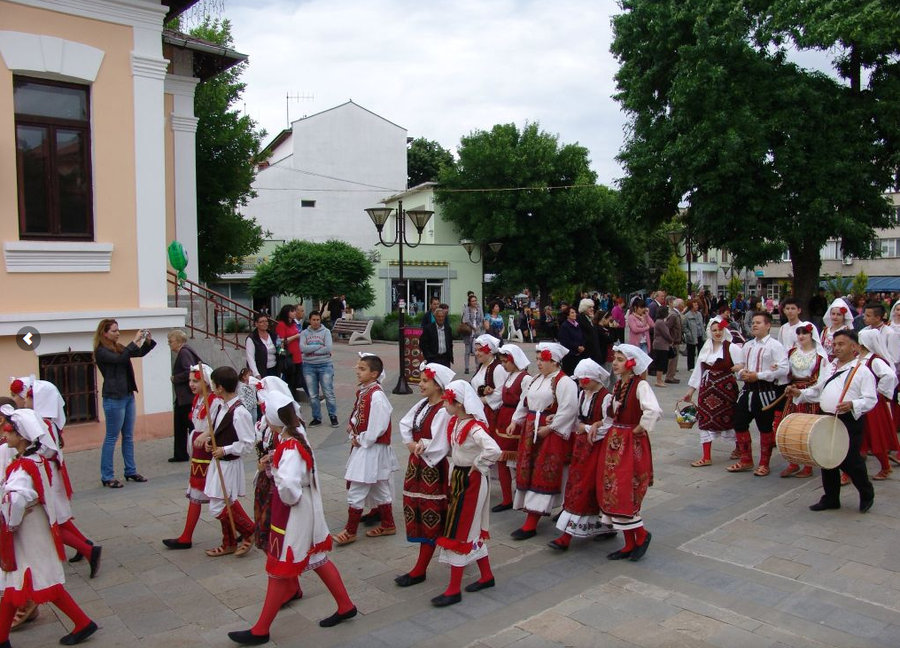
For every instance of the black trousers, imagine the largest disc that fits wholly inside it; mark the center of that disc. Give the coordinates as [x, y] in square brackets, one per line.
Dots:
[745, 413]
[182, 427]
[854, 465]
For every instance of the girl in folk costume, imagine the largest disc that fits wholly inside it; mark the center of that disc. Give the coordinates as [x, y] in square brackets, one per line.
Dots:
[31, 562]
[838, 318]
[425, 487]
[879, 435]
[805, 360]
[231, 435]
[506, 433]
[488, 380]
[625, 466]
[372, 460]
[472, 451]
[44, 398]
[581, 511]
[548, 410]
[894, 323]
[713, 378]
[203, 404]
[299, 538]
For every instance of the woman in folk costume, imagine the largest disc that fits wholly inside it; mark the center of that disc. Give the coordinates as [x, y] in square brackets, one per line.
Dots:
[44, 398]
[31, 561]
[489, 378]
[714, 379]
[548, 411]
[805, 360]
[581, 511]
[472, 451]
[894, 323]
[299, 539]
[837, 318]
[424, 486]
[879, 435]
[625, 467]
[204, 402]
[506, 433]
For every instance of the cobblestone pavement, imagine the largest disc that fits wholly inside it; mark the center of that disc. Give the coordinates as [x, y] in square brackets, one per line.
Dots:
[735, 561]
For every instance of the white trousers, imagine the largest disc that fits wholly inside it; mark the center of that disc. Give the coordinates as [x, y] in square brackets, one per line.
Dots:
[380, 493]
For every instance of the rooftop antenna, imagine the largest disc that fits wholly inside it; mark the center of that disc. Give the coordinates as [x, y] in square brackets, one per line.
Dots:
[288, 97]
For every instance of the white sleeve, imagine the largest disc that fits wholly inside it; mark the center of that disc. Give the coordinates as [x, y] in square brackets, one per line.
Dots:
[780, 360]
[866, 400]
[567, 407]
[246, 432]
[737, 354]
[495, 400]
[490, 451]
[696, 375]
[19, 492]
[379, 419]
[649, 406]
[887, 379]
[438, 446]
[289, 475]
[408, 421]
[250, 352]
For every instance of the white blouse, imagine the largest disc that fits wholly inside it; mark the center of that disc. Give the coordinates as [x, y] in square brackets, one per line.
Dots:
[540, 396]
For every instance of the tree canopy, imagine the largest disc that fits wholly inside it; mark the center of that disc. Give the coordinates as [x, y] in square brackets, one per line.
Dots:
[227, 143]
[318, 271]
[424, 161]
[765, 156]
[554, 221]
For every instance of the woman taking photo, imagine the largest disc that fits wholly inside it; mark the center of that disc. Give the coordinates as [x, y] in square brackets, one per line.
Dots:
[114, 362]
[261, 348]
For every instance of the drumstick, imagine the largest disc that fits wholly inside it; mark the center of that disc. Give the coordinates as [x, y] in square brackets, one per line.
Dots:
[212, 438]
[774, 402]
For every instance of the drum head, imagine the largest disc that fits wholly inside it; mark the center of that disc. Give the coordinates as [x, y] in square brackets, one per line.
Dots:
[829, 442]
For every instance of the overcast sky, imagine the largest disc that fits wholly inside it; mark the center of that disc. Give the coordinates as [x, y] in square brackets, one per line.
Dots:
[440, 69]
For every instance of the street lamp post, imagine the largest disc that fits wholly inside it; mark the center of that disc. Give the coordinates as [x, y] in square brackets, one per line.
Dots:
[419, 218]
[676, 236]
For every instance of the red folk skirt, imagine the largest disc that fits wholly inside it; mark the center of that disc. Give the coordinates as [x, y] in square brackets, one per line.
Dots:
[581, 487]
[624, 471]
[879, 435]
[509, 443]
[424, 499]
[541, 463]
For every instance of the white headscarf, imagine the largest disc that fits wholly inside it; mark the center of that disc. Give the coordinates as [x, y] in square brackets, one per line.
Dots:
[205, 372]
[587, 368]
[874, 342]
[893, 310]
[557, 351]
[274, 401]
[840, 304]
[518, 356]
[439, 373]
[715, 320]
[28, 424]
[273, 385]
[641, 360]
[48, 403]
[21, 386]
[489, 341]
[462, 392]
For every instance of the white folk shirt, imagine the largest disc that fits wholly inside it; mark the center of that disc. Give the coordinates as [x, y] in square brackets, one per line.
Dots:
[768, 359]
[891, 342]
[827, 392]
[651, 412]
[540, 396]
[232, 471]
[885, 376]
[372, 462]
[478, 450]
[494, 400]
[410, 420]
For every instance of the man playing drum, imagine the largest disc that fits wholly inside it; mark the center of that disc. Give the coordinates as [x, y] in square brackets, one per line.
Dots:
[848, 393]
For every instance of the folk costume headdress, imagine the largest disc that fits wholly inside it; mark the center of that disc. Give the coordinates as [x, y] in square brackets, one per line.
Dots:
[440, 374]
[551, 351]
[841, 305]
[587, 370]
[462, 392]
[487, 343]
[635, 357]
[518, 356]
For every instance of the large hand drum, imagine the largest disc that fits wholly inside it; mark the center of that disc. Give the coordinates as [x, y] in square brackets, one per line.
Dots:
[813, 439]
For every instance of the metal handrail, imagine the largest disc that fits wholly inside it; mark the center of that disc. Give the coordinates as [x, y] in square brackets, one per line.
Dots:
[222, 307]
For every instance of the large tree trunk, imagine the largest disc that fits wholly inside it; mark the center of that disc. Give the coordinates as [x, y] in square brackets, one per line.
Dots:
[806, 264]
[544, 295]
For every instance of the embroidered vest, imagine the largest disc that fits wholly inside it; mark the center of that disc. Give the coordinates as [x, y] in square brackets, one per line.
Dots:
[361, 412]
[513, 393]
[422, 430]
[596, 410]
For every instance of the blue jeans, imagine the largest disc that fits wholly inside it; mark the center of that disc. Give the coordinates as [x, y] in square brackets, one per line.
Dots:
[120, 414]
[313, 373]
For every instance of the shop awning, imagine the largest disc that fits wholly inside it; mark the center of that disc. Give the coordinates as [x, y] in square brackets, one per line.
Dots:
[883, 284]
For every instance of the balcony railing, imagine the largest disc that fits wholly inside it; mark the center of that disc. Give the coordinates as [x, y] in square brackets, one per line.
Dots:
[210, 313]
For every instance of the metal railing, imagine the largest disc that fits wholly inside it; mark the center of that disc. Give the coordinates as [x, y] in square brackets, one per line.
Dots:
[210, 313]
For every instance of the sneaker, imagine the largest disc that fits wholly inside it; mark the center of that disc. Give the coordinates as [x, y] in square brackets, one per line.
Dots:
[334, 421]
[315, 422]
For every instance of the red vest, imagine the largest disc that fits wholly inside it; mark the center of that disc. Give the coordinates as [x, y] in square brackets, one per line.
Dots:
[361, 412]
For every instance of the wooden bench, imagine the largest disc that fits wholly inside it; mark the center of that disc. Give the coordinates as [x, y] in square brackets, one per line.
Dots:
[358, 331]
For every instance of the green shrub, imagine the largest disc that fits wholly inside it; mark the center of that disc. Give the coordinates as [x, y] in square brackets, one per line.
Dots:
[236, 326]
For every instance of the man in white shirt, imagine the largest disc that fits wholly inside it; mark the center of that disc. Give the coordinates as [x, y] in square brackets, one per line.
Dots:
[849, 393]
[765, 373]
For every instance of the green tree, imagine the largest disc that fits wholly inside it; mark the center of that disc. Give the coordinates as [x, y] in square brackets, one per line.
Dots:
[424, 161]
[766, 157]
[674, 279]
[735, 287]
[550, 235]
[227, 143]
[318, 271]
[858, 286]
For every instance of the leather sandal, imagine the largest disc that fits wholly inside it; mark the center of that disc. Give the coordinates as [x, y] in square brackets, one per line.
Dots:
[790, 471]
[112, 483]
[700, 463]
[379, 531]
[25, 614]
[882, 475]
[740, 467]
[136, 478]
[894, 459]
[735, 454]
[343, 538]
[761, 471]
[244, 546]
[220, 551]
[804, 472]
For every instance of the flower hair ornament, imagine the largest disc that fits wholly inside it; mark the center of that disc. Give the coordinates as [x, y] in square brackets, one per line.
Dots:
[449, 395]
[484, 348]
[723, 324]
[546, 355]
[630, 363]
[429, 373]
[585, 381]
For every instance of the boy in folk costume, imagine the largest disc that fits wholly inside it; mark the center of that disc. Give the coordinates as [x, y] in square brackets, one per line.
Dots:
[372, 460]
[581, 511]
[548, 410]
[31, 561]
[425, 487]
[205, 401]
[44, 398]
[472, 451]
[879, 436]
[299, 540]
[233, 434]
[506, 433]
[625, 465]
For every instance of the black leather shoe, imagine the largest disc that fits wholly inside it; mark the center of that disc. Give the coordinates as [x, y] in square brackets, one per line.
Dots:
[405, 580]
[521, 534]
[865, 503]
[77, 637]
[477, 586]
[95, 560]
[371, 518]
[822, 505]
[618, 555]
[443, 600]
[500, 508]
[315, 422]
[638, 552]
[553, 544]
[175, 543]
[247, 638]
[337, 617]
[608, 535]
[136, 478]
[78, 557]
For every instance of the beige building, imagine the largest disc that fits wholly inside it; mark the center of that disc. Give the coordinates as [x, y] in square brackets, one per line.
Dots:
[97, 176]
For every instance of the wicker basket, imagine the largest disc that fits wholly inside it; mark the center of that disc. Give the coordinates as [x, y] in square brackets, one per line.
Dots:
[685, 416]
